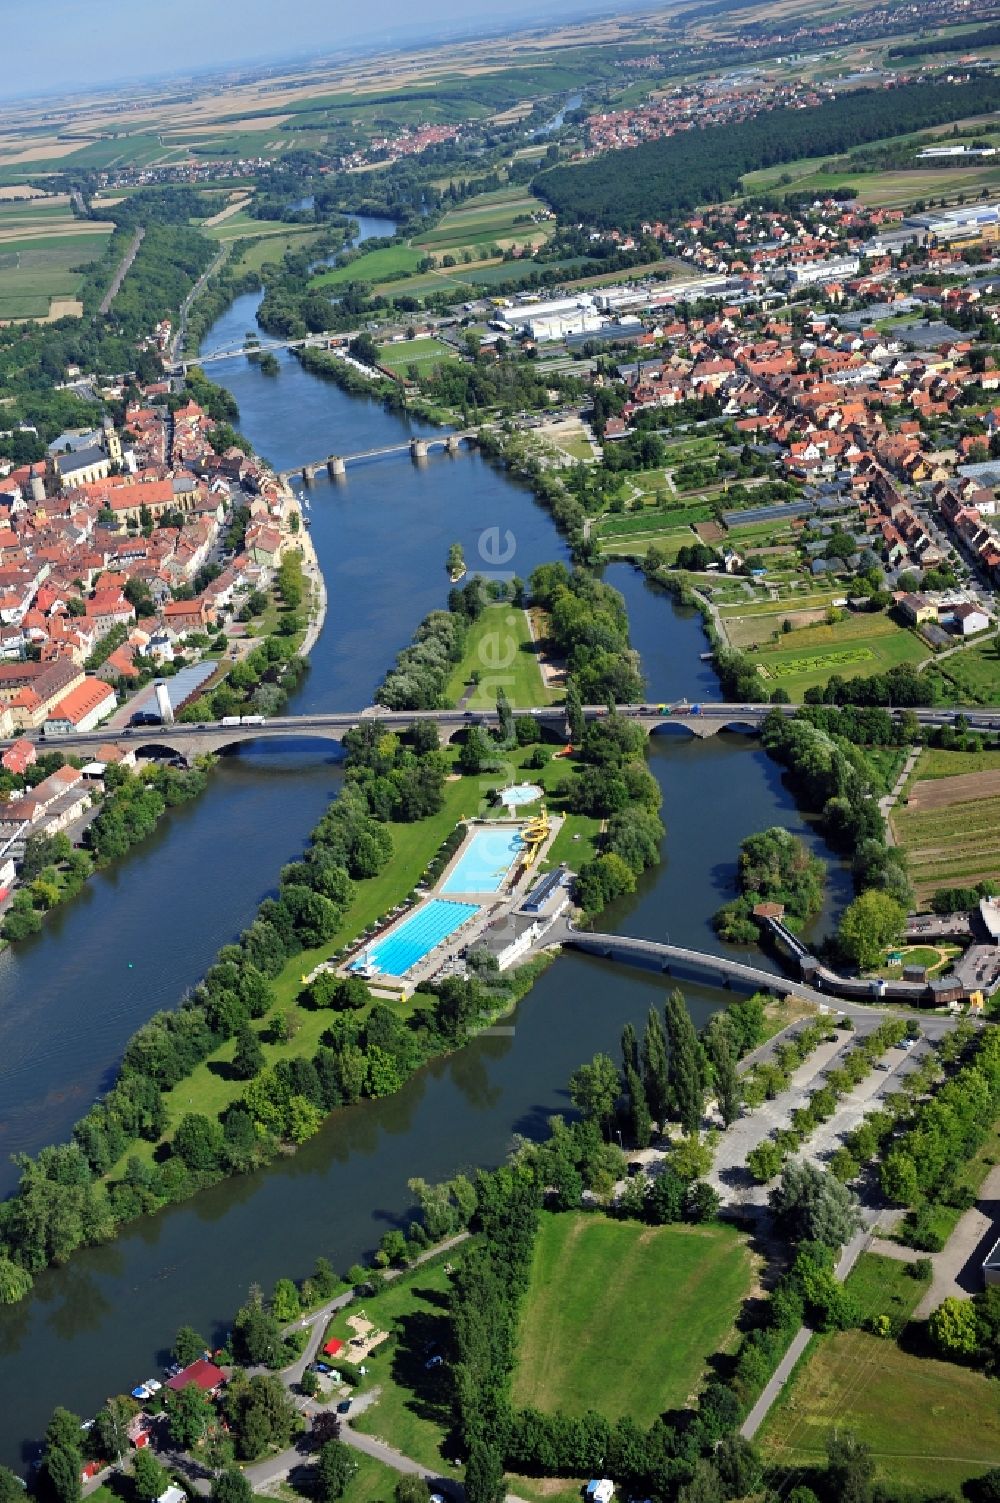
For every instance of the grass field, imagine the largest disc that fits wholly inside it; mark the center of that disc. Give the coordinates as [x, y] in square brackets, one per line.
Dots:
[425, 354]
[949, 825]
[933, 762]
[973, 675]
[35, 270]
[930, 1424]
[860, 644]
[499, 647]
[622, 1318]
[273, 248]
[374, 266]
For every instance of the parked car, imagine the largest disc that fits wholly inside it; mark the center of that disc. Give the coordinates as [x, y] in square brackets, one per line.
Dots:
[344, 1407]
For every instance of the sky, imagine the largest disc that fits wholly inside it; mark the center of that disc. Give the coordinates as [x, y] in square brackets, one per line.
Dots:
[50, 46]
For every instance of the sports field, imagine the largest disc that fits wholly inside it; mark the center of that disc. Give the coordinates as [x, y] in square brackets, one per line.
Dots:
[622, 1318]
[930, 1424]
[425, 354]
[38, 269]
[860, 644]
[949, 827]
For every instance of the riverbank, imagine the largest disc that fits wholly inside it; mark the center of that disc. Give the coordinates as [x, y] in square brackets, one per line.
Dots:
[319, 600]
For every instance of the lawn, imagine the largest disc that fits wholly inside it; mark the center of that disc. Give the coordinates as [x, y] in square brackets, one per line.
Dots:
[374, 266]
[622, 1318]
[971, 677]
[209, 1088]
[885, 1286]
[860, 644]
[500, 649]
[425, 354]
[929, 1424]
[415, 1410]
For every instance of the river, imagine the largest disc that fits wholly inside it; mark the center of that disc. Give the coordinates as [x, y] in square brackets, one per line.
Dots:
[144, 931]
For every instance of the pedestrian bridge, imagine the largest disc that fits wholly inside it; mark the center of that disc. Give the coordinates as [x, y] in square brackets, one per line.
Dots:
[816, 983]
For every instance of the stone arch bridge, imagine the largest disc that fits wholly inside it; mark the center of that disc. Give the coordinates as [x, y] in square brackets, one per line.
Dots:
[188, 741]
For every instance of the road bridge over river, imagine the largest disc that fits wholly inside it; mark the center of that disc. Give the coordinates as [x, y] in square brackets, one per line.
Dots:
[188, 741]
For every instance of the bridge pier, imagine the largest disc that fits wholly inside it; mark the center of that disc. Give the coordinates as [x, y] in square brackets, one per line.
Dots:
[418, 448]
[308, 474]
[453, 443]
[336, 468]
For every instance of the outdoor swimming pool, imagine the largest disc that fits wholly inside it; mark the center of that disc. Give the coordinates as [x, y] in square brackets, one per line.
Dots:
[521, 793]
[485, 862]
[416, 937]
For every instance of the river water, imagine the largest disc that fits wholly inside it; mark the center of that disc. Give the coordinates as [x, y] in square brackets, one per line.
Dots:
[145, 931]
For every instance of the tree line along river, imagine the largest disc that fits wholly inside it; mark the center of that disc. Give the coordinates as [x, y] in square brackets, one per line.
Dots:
[144, 931]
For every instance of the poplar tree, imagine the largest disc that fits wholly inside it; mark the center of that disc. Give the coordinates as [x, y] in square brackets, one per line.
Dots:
[719, 1047]
[574, 712]
[685, 1064]
[630, 1048]
[639, 1121]
[654, 1067]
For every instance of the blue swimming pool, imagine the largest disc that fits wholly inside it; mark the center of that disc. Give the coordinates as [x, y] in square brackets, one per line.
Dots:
[416, 937]
[485, 862]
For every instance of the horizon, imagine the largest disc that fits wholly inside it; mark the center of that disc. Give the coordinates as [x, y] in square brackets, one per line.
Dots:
[52, 56]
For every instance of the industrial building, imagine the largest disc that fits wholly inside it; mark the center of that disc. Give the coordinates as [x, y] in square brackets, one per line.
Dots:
[809, 273]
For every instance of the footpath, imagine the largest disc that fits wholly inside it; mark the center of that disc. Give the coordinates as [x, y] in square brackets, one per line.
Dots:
[318, 607]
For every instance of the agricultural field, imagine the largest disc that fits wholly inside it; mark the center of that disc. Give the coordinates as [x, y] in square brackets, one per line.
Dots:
[930, 1424]
[43, 273]
[500, 649]
[425, 354]
[487, 222]
[860, 644]
[949, 826]
[669, 541]
[748, 626]
[241, 226]
[622, 1318]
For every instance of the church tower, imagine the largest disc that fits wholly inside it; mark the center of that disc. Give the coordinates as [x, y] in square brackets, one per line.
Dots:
[112, 443]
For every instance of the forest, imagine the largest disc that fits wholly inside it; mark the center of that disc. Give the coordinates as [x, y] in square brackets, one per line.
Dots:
[672, 176]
